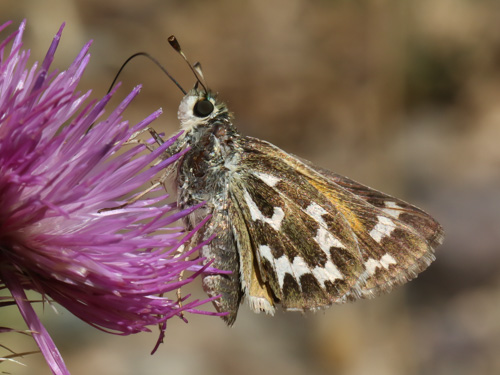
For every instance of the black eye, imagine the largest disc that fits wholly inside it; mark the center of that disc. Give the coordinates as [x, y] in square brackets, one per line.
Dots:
[203, 108]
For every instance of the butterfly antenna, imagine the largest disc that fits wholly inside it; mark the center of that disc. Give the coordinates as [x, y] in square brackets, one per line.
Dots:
[197, 67]
[145, 54]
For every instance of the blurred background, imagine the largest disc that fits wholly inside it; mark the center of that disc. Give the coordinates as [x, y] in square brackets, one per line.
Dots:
[400, 95]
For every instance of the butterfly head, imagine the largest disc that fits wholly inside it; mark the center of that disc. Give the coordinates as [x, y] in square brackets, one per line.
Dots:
[200, 108]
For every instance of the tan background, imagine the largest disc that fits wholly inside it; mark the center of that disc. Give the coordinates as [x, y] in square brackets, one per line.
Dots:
[401, 95]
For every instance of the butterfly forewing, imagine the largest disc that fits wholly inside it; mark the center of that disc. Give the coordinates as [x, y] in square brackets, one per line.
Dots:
[422, 222]
[389, 240]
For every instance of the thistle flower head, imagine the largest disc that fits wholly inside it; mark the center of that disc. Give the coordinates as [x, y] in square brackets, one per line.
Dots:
[108, 267]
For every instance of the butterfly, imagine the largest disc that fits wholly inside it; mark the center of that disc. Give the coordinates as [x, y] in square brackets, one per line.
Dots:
[291, 233]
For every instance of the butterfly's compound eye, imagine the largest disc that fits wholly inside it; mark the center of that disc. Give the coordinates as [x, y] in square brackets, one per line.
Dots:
[203, 108]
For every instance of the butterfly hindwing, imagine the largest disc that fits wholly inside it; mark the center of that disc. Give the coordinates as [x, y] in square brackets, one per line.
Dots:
[303, 249]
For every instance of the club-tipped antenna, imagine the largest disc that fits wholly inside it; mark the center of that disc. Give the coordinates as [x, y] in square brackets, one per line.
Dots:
[145, 54]
[196, 69]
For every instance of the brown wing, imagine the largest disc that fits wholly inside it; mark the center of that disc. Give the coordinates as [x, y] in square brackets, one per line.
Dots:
[374, 240]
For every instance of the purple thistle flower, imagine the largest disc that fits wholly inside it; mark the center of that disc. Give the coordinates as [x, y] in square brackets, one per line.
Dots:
[108, 267]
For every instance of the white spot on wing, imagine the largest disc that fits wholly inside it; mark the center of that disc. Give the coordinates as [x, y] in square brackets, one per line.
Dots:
[283, 267]
[387, 260]
[371, 264]
[265, 252]
[324, 238]
[392, 209]
[316, 212]
[384, 228]
[329, 273]
[299, 268]
[268, 179]
[274, 221]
